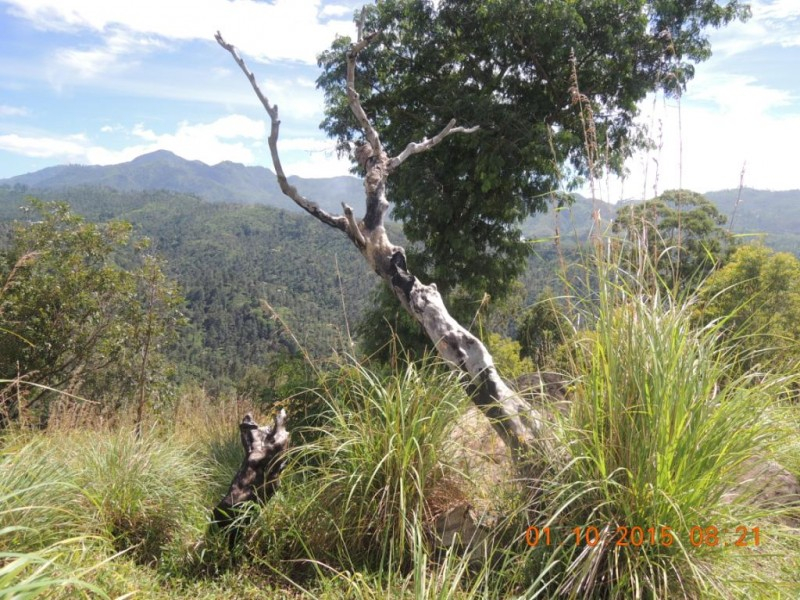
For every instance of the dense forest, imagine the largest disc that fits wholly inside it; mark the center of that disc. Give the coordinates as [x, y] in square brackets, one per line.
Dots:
[226, 259]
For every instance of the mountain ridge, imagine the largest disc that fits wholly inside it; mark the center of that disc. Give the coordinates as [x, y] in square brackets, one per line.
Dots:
[225, 181]
[775, 215]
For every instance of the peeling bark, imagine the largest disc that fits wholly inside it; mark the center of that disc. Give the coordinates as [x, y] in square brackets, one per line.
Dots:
[521, 426]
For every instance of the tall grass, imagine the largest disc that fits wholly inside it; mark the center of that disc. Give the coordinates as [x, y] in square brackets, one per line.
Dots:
[376, 457]
[659, 434]
[76, 506]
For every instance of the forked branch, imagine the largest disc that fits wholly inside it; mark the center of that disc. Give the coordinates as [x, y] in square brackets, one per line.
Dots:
[427, 144]
[520, 425]
[313, 208]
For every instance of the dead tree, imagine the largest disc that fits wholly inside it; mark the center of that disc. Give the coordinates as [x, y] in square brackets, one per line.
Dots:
[258, 478]
[520, 425]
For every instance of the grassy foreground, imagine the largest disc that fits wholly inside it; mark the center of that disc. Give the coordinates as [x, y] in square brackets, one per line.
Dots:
[644, 504]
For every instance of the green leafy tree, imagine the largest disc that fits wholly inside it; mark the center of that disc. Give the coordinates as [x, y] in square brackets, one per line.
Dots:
[511, 67]
[72, 319]
[757, 295]
[680, 233]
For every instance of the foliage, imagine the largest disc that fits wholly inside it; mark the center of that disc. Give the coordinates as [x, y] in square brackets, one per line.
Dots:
[756, 298]
[72, 319]
[507, 356]
[287, 375]
[680, 233]
[508, 67]
[542, 329]
[226, 258]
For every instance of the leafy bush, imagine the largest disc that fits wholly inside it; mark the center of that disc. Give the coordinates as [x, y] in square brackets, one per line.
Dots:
[72, 319]
[756, 299]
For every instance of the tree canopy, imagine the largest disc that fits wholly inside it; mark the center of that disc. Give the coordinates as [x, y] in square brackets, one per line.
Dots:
[549, 83]
[757, 297]
[681, 233]
[72, 319]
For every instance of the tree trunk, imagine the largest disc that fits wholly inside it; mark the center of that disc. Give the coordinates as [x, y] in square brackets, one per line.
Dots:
[258, 478]
[521, 426]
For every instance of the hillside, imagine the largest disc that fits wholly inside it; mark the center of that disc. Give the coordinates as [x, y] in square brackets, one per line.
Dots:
[775, 215]
[227, 257]
[228, 248]
[223, 182]
[771, 216]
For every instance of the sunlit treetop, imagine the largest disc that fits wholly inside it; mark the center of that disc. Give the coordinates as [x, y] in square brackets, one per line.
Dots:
[554, 87]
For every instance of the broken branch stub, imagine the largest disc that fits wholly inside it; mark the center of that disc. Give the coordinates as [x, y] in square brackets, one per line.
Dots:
[258, 478]
[519, 424]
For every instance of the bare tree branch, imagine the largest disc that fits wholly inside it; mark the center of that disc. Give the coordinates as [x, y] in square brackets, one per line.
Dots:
[354, 230]
[427, 144]
[521, 426]
[313, 208]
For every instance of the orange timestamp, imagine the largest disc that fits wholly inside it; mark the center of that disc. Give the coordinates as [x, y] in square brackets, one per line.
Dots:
[697, 536]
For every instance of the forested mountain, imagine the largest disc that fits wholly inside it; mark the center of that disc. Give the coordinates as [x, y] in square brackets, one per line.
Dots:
[227, 258]
[773, 216]
[230, 252]
[776, 215]
[223, 182]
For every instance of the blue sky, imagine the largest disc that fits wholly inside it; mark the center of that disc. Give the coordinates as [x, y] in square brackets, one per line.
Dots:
[101, 82]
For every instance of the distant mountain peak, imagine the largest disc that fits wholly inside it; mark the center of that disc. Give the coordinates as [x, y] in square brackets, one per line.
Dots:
[226, 181]
[158, 156]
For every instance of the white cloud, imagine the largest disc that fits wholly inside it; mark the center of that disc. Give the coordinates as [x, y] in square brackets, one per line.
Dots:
[146, 134]
[43, 147]
[117, 53]
[233, 137]
[722, 123]
[307, 144]
[321, 163]
[336, 10]
[738, 95]
[13, 111]
[281, 30]
[228, 138]
[775, 22]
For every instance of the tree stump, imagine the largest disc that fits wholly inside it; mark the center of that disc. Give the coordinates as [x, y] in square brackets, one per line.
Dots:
[258, 478]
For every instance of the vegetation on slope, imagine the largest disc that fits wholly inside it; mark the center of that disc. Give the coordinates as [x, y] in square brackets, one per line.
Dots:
[226, 259]
[658, 433]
